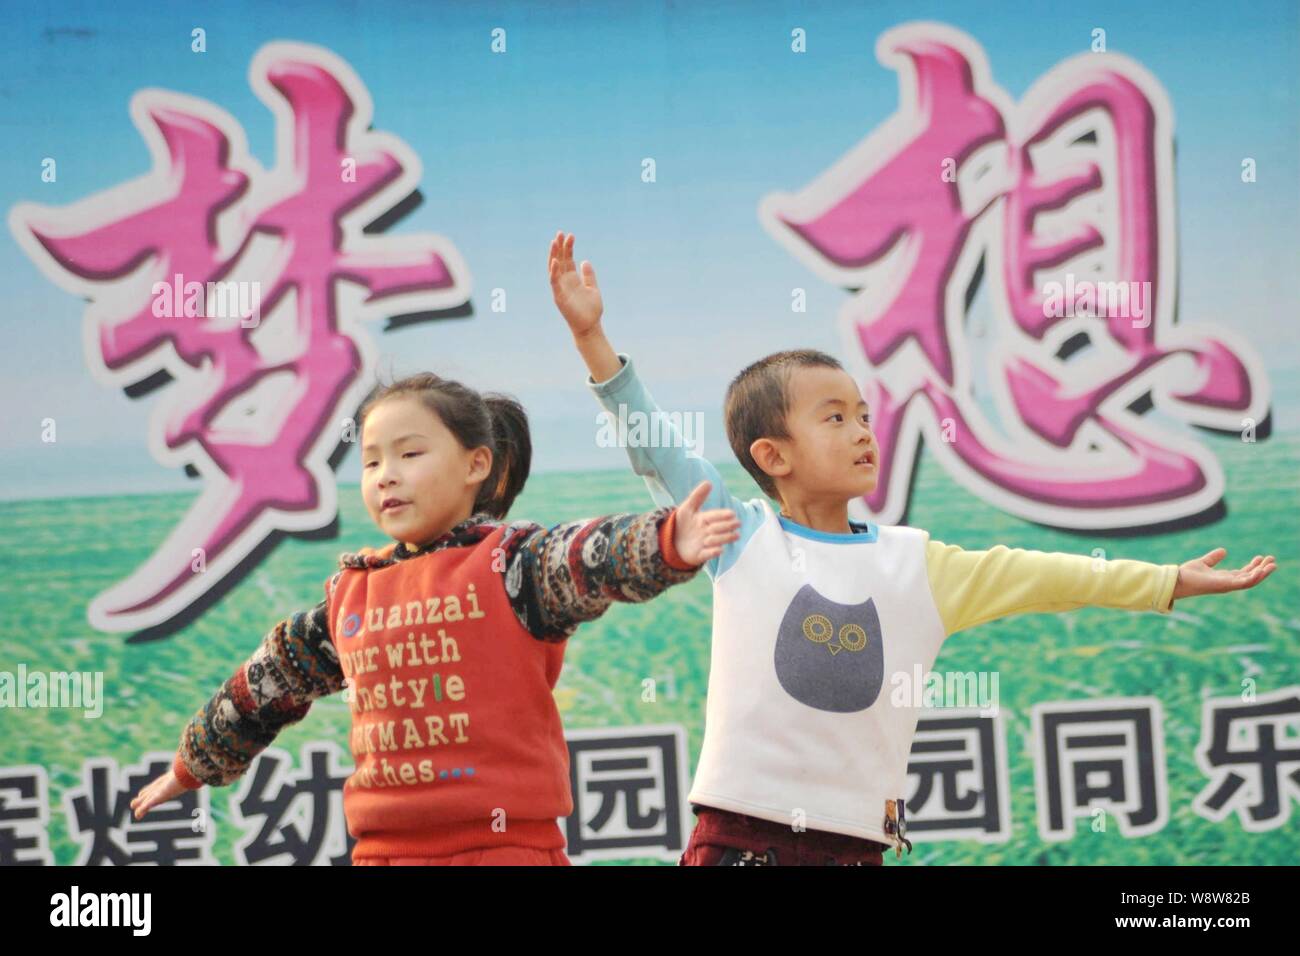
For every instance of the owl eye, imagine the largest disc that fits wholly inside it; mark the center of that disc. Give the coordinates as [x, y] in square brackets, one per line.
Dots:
[818, 628]
[852, 637]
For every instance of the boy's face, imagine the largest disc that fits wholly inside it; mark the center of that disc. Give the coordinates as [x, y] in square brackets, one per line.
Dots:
[410, 457]
[831, 451]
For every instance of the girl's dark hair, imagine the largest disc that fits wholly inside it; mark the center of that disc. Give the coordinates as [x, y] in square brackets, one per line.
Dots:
[495, 421]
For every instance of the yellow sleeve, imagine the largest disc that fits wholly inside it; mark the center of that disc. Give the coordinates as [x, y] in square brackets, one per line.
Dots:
[972, 587]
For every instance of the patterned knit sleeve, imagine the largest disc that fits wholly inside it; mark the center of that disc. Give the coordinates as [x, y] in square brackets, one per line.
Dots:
[571, 573]
[295, 664]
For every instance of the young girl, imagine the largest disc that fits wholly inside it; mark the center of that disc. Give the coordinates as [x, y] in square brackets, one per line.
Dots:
[449, 640]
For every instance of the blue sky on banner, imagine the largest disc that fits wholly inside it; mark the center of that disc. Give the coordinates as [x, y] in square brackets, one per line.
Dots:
[552, 134]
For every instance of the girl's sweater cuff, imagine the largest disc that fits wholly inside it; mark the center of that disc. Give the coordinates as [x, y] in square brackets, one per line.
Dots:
[668, 549]
[183, 775]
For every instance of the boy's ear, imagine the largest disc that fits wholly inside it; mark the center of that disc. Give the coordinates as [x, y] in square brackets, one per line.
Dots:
[771, 457]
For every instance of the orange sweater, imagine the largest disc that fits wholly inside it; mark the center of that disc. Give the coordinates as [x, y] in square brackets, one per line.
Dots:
[453, 716]
[448, 658]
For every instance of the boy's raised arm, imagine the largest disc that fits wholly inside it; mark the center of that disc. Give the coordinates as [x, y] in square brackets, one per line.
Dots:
[671, 473]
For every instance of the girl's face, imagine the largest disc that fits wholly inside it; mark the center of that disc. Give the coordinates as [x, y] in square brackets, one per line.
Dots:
[417, 480]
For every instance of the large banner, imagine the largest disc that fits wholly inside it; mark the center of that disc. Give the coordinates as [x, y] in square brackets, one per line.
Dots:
[1057, 252]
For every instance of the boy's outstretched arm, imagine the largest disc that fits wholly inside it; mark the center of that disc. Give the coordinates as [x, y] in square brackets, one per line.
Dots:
[1200, 576]
[670, 472]
[973, 587]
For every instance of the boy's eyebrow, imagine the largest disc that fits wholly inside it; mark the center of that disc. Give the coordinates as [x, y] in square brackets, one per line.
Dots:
[836, 401]
[372, 446]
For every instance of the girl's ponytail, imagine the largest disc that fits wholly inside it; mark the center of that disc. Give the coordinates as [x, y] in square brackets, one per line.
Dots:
[512, 456]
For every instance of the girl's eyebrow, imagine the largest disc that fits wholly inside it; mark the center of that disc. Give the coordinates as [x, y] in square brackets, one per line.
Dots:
[398, 441]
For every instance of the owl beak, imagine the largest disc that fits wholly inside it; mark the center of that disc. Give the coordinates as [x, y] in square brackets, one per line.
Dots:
[835, 648]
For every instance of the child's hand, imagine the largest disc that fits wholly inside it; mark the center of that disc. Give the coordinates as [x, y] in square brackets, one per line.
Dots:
[1200, 577]
[577, 297]
[700, 536]
[165, 788]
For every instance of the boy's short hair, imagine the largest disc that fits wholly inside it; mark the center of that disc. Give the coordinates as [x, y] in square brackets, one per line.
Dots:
[758, 400]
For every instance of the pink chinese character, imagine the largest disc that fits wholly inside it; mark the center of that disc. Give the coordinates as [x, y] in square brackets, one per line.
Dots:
[259, 397]
[1061, 206]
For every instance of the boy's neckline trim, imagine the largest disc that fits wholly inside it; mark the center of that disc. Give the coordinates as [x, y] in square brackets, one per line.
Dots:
[869, 533]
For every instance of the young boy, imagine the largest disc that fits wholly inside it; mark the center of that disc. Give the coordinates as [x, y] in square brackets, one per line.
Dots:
[805, 755]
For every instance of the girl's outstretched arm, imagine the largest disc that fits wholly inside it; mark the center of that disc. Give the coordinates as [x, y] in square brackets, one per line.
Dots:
[295, 664]
[559, 577]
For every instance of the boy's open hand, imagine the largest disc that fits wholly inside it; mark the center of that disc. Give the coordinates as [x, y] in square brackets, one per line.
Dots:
[576, 296]
[1200, 576]
[700, 536]
[160, 790]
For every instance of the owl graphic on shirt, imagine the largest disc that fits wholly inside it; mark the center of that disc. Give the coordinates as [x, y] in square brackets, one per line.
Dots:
[829, 656]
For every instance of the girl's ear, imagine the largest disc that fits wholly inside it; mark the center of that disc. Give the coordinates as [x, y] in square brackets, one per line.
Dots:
[480, 464]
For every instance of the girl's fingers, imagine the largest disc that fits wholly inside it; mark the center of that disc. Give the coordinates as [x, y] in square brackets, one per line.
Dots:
[696, 497]
[720, 514]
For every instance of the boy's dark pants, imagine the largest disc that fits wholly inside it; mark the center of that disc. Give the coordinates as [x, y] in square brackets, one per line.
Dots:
[721, 838]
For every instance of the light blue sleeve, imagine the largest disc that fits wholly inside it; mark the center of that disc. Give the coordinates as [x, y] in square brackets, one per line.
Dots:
[670, 470]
